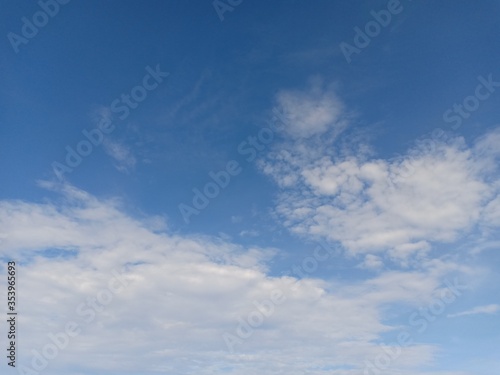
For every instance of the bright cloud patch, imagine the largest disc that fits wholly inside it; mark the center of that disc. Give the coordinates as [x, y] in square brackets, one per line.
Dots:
[312, 112]
[438, 191]
[180, 298]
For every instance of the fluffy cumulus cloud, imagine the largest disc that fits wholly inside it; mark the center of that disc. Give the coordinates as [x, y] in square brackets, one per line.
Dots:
[147, 301]
[338, 189]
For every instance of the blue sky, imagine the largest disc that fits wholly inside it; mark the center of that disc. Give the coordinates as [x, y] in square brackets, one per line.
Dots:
[384, 158]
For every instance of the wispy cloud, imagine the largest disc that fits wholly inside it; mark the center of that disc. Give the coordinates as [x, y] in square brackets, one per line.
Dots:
[373, 262]
[236, 219]
[123, 158]
[487, 309]
[311, 112]
[249, 233]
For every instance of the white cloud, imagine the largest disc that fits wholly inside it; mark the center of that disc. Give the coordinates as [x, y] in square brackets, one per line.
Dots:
[184, 293]
[249, 233]
[312, 112]
[236, 219]
[491, 213]
[488, 309]
[372, 262]
[125, 161]
[101, 113]
[339, 190]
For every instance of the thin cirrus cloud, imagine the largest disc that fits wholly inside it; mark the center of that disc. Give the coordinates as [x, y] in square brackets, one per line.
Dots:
[487, 309]
[124, 160]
